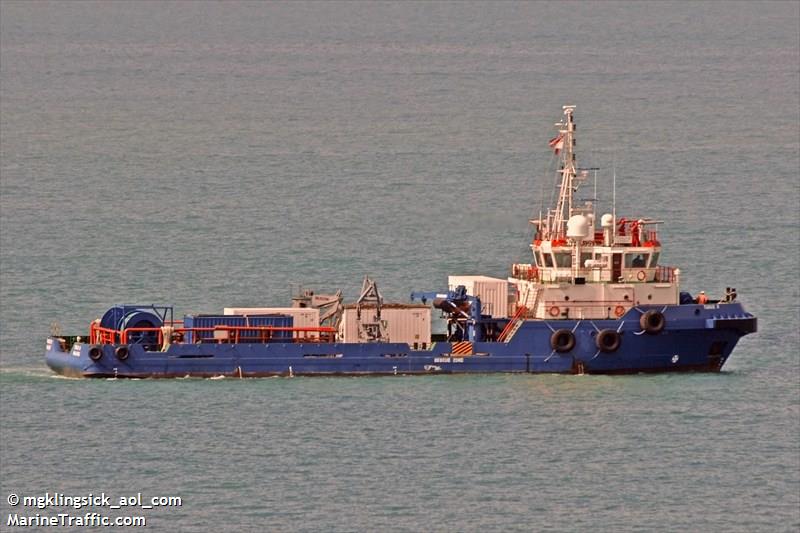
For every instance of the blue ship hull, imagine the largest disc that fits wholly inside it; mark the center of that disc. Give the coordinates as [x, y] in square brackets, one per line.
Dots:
[695, 338]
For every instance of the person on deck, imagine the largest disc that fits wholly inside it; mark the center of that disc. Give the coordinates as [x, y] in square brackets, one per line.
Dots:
[702, 298]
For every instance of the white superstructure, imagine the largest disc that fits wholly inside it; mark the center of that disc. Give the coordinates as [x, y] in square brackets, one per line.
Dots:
[581, 271]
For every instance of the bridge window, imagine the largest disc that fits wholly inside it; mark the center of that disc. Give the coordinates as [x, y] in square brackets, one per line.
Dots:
[585, 257]
[654, 260]
[563, 260]
[547, 260]
[636, 260]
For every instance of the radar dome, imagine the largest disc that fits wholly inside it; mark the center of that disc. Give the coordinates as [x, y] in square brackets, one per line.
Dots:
[578, 227]
[607, 220]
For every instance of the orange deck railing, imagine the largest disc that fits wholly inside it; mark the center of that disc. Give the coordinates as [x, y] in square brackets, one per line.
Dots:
[229, 334]
[561, 308]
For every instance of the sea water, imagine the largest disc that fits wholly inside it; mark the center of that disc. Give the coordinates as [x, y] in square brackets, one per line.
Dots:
[221, 154]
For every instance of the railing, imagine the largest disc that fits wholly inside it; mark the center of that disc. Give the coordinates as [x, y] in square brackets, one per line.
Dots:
[597, 308]
[159, 339]
[632, 274]
[260, 334]
[665, 274]
[101, 335]
[636, 234]
[220, 334]
[524, 271]
[513, 324]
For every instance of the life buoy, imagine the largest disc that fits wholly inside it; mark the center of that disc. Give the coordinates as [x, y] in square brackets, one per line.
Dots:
[641, 275]
[619, 311]
[562, 340]
[652, 322]
[122, 352]
[554, 311]
[608, 340]
[95, 353]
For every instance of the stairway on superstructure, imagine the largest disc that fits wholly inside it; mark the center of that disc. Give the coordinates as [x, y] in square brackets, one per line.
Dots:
[526, 305]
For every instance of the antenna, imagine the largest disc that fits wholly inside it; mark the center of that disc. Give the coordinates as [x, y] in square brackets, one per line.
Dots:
[594, 204]
[614, 188]
[539, 227]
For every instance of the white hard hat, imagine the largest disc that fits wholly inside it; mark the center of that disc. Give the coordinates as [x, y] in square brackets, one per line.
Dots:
[702, 292]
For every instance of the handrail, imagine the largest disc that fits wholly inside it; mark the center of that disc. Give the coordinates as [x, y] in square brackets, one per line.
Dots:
[517, 317]
[556, 308]
[665, 274]
[586, 303]
[525, 271]
[101, 335]
[265, 332]
[124, 334]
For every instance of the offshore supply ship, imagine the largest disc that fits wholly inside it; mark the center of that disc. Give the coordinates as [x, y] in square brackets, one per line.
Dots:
[592, 300]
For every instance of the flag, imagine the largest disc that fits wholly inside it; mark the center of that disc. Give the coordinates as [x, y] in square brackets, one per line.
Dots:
[557, 143]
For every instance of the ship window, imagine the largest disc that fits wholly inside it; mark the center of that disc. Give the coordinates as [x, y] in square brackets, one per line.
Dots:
[535, 259]
[563, 260]
[548, 260]
[585, 257]
[654, 260]
[636, 260]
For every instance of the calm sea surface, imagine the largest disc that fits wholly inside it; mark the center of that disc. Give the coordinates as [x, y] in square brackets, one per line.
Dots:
[218, 154]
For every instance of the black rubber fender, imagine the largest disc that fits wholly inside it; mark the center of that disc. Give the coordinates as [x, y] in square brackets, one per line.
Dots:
[562, 340]
[122, 352]
[95, 353]
[608, 340]
[652, 322]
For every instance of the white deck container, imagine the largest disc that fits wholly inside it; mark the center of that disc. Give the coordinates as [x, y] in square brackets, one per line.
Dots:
[409, 323]
[493, 292]
[302, 317]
